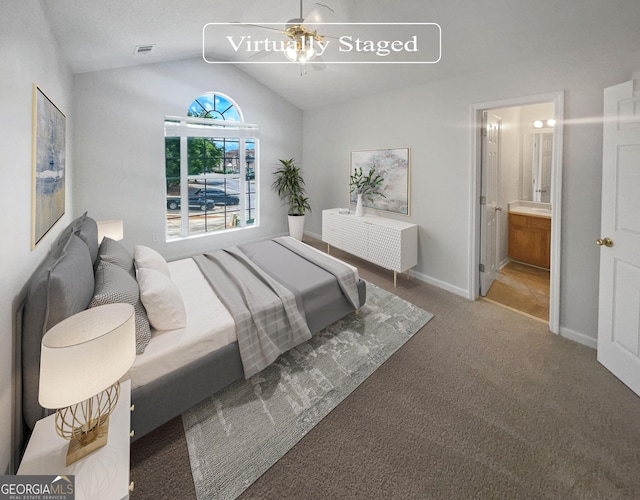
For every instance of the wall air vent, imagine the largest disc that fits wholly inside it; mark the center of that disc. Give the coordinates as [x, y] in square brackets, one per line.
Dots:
[143, 49]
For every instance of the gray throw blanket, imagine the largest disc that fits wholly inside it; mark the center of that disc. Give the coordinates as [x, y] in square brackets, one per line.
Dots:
[345, 276]
[267, 319]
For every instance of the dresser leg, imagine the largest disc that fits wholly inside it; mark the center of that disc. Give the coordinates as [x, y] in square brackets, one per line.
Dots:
[395, 279]
[328, 248]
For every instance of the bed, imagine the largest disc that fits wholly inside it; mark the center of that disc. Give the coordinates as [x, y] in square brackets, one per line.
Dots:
[191, 337]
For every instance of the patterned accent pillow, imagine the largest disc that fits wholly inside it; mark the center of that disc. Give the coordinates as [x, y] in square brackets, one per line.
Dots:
[115, 285]
[113, 252]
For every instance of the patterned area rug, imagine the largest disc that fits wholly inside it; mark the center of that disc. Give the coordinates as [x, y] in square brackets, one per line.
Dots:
[236, 435]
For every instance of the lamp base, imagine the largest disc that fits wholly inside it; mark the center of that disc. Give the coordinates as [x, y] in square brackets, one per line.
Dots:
[91, 441]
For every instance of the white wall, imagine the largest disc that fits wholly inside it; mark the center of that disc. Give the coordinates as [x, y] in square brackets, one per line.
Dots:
[28, 54]
[434, 121]
[119, 145]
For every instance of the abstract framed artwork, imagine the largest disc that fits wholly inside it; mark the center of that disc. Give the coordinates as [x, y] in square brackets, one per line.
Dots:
[393, 166]
[49, 142]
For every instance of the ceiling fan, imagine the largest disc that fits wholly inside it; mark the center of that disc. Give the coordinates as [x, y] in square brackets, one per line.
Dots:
[304, 37]
[301, 31]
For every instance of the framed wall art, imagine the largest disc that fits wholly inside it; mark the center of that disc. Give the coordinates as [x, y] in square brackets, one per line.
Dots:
[393, 166]
[49, 142]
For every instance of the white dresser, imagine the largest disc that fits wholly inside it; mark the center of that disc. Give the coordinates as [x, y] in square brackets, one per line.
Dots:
[389, 243]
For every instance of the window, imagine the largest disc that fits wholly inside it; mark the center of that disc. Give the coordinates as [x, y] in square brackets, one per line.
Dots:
[211, 168]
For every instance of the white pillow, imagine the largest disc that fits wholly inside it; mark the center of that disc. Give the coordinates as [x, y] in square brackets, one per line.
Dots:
[162, 300]
[148, 258]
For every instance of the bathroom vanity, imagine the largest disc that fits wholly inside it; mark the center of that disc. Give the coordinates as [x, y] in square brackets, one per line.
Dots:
[530, 233]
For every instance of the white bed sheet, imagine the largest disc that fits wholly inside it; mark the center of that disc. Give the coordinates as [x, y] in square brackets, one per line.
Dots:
[209, 327]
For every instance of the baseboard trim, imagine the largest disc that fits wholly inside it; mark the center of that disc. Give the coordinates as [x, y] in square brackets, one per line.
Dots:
[578, 337]
[314, 235]
[440, 284]
[420, 276]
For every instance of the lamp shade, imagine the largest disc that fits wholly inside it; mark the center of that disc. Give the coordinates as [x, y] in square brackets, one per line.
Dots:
[113, 229]
[85, 354]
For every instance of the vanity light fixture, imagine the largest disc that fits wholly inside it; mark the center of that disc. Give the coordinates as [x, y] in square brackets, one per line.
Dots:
[539, 123]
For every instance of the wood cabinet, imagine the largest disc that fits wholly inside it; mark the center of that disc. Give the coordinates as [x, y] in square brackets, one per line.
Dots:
[389, 243]
[530, 239]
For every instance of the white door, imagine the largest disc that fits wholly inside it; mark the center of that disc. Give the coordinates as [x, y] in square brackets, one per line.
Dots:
[489, 202]
[619, 302]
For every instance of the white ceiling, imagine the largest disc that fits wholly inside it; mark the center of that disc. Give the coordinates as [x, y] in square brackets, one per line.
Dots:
[476, 34]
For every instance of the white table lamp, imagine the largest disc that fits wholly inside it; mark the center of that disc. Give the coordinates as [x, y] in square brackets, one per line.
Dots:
[82, 361]
[113, 229]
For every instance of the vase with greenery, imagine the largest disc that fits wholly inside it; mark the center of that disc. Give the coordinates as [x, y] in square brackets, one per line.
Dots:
[365, 185]
[290, 186]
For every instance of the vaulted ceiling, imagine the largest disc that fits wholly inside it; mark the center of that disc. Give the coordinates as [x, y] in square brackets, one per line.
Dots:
[476, 35]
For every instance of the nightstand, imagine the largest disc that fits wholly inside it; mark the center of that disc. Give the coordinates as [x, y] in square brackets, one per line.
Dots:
[104, 474]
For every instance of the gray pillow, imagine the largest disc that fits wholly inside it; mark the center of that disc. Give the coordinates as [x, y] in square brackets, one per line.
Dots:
[115, 285]
[56, 290]
[113, 252]
[85, 227]
[71, 282]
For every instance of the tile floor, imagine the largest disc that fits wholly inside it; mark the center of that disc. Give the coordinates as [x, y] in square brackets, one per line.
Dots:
[523, 288]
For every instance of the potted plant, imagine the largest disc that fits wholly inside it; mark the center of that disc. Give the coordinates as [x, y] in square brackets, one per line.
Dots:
[289, 185]
[365, 185]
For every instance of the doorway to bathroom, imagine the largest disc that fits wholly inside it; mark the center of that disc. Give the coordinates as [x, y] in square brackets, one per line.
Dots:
[517, 193]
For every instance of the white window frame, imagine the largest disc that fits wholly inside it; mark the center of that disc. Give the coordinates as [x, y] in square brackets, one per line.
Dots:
[186, 126]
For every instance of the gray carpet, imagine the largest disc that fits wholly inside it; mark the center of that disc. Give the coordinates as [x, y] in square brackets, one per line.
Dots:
[235, 436]
[481, 403]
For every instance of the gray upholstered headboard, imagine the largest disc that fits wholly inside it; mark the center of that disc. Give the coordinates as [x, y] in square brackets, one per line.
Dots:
[61, 286]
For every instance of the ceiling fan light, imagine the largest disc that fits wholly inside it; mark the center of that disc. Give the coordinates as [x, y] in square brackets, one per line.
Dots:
[291, 54]
[309, 54]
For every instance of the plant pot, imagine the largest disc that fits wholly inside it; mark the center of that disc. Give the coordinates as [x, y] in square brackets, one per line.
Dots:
[359, 207]
[296, 226]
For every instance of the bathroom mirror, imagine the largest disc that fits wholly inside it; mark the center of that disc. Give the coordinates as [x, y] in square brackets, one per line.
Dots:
[535, 166]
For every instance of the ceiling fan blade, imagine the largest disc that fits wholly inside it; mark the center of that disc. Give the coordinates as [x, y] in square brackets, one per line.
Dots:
[260, 26]
[319, 14]
[260, 55]
[318, 64]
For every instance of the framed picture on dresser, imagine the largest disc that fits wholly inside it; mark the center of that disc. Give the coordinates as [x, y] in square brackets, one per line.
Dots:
[394, 167]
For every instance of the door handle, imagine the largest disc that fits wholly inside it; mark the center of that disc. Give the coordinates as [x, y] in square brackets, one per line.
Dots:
[498, 209]
[607, 242]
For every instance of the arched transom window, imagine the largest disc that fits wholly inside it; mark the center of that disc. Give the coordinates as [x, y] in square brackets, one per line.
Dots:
[215, 106]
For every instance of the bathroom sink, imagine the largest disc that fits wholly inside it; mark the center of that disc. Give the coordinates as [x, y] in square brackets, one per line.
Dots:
[542, 211]
[531, 208]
